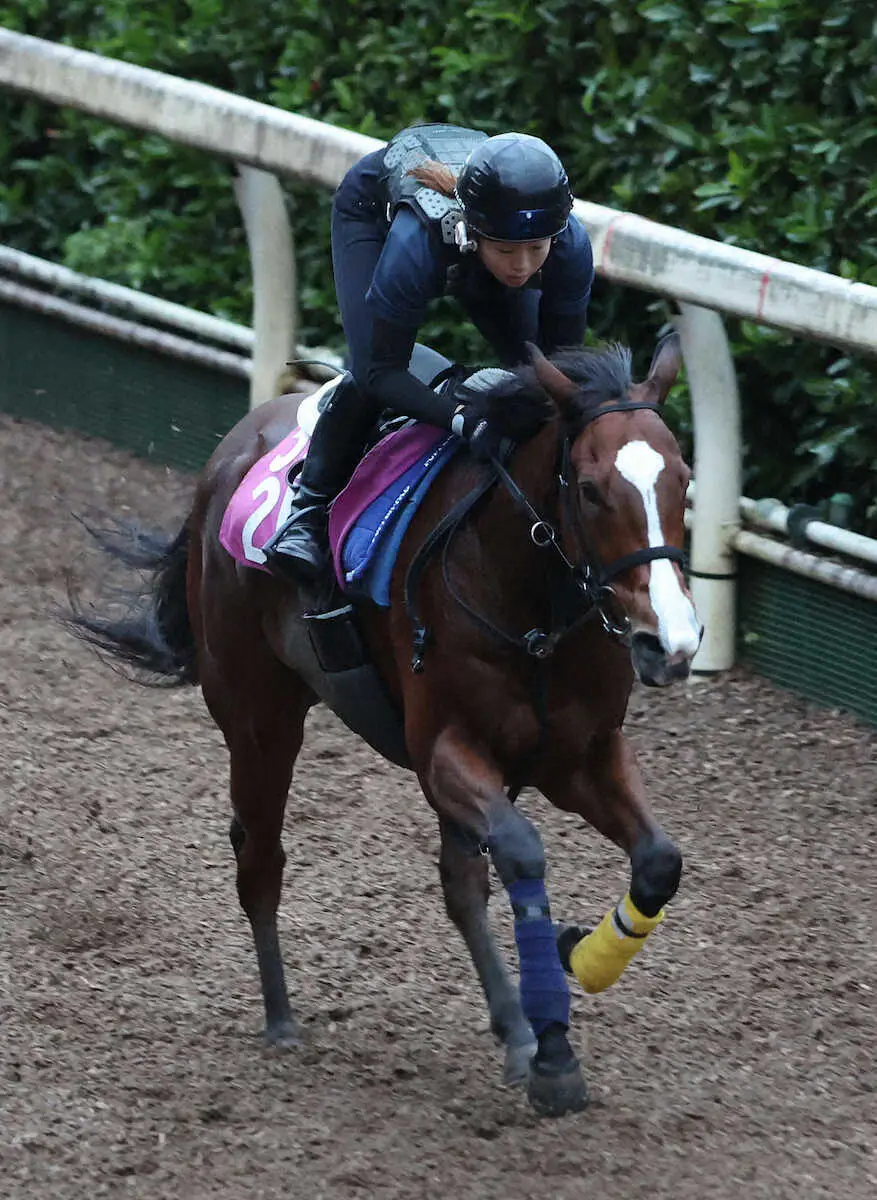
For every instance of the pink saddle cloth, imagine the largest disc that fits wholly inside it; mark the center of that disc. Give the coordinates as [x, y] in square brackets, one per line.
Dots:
[263, 499]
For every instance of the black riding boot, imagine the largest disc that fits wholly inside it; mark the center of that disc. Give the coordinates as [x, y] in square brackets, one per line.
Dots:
[300, 548]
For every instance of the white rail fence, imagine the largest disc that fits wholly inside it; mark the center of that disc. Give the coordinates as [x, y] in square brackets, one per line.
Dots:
[705, 278]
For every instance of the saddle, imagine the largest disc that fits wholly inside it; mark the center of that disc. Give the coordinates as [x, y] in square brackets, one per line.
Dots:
[367, 524]
[369, 517]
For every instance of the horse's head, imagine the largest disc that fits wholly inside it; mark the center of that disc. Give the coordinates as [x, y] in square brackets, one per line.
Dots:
[625, 514]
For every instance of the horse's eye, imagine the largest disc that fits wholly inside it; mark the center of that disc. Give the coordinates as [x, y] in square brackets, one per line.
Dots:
[589, 492]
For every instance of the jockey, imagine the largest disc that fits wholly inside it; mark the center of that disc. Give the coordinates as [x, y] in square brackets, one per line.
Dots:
[440, 208]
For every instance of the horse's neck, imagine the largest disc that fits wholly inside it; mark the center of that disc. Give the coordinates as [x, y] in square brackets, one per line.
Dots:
[504, 527]
[536, 465]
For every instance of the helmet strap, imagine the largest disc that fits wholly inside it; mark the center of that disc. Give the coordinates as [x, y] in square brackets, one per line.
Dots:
[464, 243]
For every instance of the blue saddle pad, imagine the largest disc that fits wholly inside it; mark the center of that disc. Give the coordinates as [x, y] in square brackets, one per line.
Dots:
[370, 548]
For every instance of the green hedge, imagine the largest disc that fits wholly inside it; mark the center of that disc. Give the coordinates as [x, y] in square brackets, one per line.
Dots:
[750, 121]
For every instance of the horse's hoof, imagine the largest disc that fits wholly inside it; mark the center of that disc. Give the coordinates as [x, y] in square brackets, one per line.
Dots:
[516, 1071]
[568, 937]
[285, 1035]
[556, 1085]
[553, 1095]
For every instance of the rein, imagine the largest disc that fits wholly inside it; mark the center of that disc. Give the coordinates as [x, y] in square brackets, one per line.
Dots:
[591, 578]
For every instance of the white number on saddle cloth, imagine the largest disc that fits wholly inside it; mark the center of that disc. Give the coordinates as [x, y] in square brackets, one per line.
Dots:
[288, 457]
[271, 488]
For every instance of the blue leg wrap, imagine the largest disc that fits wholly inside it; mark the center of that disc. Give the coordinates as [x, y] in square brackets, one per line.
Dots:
[544, 989]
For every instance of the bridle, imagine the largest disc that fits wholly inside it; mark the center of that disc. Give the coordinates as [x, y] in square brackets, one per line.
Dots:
[588, 587]
[591, 593]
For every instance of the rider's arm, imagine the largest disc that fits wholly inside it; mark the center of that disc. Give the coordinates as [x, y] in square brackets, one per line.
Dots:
[566, 289]
[390, 381]
[409, 274]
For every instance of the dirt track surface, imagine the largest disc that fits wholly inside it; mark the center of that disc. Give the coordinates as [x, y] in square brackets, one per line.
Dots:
[735, 1059]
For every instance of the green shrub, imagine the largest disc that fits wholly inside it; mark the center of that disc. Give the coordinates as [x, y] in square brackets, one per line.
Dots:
[750, 121]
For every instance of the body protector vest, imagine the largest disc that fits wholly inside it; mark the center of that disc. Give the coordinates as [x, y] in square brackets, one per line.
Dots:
[448, 144]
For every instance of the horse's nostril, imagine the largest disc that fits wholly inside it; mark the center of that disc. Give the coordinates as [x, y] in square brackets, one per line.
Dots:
[648, 644]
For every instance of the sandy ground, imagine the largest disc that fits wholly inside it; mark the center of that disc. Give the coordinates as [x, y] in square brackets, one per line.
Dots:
[736, 1058]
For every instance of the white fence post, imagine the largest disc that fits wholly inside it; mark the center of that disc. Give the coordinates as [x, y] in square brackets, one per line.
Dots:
[718, 453]
[272, 257]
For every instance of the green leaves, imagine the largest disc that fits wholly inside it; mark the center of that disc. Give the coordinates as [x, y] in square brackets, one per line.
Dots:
[750, 121]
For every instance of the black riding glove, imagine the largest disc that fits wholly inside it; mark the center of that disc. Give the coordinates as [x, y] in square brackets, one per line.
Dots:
[470, 423]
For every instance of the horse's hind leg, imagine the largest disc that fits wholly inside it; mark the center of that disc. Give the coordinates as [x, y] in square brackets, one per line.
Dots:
[263, 728]
[465, 883]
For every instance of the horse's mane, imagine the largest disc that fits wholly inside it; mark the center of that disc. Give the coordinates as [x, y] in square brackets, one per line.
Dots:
[602, 375]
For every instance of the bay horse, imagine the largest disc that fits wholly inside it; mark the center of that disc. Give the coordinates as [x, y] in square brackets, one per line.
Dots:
[556, 584]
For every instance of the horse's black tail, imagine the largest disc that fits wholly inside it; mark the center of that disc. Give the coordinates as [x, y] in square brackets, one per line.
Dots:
[152, 632]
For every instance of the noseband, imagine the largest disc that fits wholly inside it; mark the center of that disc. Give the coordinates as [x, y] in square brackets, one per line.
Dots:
[591, 578]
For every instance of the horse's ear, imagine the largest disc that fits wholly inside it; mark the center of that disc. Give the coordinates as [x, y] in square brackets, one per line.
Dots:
[666, 362]
[556, 384]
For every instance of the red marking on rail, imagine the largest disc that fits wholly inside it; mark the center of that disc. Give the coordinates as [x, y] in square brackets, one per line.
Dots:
[607, 240]
[762, 292]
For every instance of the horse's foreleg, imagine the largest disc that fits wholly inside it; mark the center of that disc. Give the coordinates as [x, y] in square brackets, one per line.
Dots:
[466, 788]
[465, 883]
[607, 791]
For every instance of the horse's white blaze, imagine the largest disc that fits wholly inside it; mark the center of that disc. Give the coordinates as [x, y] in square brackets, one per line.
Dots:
[678, 629]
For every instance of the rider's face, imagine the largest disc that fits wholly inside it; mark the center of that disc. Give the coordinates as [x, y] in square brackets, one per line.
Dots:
[513, 263]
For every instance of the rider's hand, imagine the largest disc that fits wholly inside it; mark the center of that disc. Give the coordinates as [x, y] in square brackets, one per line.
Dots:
[494, 420]
[484, 443]
[470, 423]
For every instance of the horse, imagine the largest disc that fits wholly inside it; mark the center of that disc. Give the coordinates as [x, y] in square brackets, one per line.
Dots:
[529, 593]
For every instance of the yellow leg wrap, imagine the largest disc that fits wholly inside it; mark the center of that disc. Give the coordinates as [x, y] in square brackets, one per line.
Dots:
[598, 959]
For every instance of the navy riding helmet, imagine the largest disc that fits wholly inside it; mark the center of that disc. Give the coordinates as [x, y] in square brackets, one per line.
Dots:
[513, 188]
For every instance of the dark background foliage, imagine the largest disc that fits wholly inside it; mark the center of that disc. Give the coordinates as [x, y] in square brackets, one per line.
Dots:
[750, 121]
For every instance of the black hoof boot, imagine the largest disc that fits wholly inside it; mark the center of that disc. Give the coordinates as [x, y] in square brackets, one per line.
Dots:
[556, 1086]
